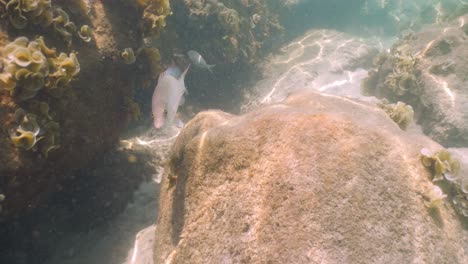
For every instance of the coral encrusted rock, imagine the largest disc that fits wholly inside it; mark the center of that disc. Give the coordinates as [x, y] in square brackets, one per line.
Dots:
[427, 70]
[314, 179]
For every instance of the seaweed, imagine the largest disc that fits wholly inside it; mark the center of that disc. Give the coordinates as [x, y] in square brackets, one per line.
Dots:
[447, 170]
[30, 67]
[400, 112]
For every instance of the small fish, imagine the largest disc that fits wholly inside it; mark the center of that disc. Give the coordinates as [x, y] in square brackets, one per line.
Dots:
[167, 97]
[198, 60]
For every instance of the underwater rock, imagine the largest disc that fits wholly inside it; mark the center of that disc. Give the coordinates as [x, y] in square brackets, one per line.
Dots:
[78, 122]
[239, 31]
[427, 70]
[323, 60]
[338, 182]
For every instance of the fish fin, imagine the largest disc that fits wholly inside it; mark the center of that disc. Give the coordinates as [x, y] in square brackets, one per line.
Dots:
[209, 67]
[182, 76]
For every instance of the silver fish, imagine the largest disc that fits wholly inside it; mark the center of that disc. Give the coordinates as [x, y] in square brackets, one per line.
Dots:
[167, 97]
[198, 60]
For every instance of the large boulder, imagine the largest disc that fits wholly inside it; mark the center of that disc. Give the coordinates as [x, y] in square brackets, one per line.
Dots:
[315, 179]
[428, 71]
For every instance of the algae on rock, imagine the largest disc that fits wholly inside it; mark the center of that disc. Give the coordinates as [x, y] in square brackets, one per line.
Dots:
[427, 70]
[29, 66]
[154, 16]
[42, 13]
[448, 170]
[401, 113]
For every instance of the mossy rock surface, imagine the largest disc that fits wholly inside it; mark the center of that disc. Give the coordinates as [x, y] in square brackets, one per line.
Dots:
[337, 182]
[91, 112]
[433, 81]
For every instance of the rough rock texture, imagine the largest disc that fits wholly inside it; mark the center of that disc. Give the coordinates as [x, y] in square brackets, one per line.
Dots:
[91, 115]
[316, 179]
[436, 85]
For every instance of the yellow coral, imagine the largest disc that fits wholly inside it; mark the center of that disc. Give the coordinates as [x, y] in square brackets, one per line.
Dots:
[442, 164]
[154, 15]
[35, 131]
[20, 12]
[85, 33]
[401, 113]
[39, 12]
[62, 24]
[128, 56]
[434, 196]
[31, 65]
[25, 135]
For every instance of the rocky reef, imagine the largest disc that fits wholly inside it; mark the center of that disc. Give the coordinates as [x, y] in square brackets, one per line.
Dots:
[238, 30]
[75, 74]
[66, 95]
[319, 189]
[427, 70]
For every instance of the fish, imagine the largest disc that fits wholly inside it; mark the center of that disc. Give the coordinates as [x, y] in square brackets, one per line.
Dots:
[198, 61]
[167, 96]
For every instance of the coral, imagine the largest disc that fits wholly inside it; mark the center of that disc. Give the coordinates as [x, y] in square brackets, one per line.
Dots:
[397, 74]
[404, 77]
[36, 129]
[229, 19]
[85, 33]
[128, 56]
[29, 66]
[442, 164]
[62, 70]
[400, 112]
[20, 12]
[154, 15]
[40, 12]
[434, 196]
[62, 24]
[25, 135]
[244, 28]
[448, 170]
